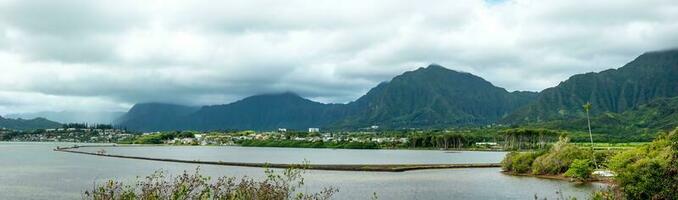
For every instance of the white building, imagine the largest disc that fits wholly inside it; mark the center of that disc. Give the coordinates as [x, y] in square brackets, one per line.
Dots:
[313, 130]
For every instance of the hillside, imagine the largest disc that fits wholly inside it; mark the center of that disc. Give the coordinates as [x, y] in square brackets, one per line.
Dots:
[640, 123]
[156, 116]
[651, 75]
[27, 124]
[433, 96]
[267, 112]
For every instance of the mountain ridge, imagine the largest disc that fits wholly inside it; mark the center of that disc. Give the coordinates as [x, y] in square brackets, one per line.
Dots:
[289, 110]
[435, 96]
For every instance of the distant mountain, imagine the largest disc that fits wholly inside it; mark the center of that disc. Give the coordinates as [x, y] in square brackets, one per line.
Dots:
[27, 124]
[73, 116]
[651, 75]
[434, 96]
[156, 116]
[268, 111]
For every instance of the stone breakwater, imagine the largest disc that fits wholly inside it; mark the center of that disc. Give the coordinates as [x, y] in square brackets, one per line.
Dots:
[335, 167]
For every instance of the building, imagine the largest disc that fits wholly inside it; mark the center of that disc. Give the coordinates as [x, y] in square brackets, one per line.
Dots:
[282, 130]
[313, 130]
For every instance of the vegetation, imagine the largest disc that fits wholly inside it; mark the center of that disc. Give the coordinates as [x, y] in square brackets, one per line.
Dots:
[558, 158]
[158, 138]
[519, 162]
[521, 138]
[86, 126]
[555, 161]
[187, 186]
[444, 140]
[309, 144]
[580, 170]
[646, 172]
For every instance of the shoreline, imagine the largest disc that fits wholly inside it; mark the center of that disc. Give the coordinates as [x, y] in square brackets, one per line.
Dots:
[558, 177]
[331, 167]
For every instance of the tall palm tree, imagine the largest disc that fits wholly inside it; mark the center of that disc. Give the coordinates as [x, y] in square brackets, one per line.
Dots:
[587, 107]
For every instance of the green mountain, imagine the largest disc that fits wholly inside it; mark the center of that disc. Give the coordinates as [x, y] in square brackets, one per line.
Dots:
[651, 75]
[640, 123]
[438, 97]
[156, 116]
[433, 96]
[267, 112]
[27, 124]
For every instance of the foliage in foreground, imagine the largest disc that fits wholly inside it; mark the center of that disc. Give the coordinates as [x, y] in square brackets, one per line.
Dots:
[196, 186]
[647, 172]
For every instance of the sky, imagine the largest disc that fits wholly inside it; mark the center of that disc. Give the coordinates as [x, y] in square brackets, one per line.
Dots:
[75, 55]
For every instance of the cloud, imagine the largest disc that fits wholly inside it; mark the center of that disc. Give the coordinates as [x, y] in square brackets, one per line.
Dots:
[109, 55]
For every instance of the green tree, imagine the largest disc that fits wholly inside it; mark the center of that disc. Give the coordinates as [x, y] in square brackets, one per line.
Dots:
[580, 169]
[587, 108]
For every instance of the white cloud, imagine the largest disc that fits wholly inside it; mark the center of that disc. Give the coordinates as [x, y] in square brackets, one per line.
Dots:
[110, 55]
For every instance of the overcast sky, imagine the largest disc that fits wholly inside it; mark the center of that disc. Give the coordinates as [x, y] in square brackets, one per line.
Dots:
[107, 55]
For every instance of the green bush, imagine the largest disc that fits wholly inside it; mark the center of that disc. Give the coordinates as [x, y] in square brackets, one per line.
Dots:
[558, 158]
[580, 169]
[517, 162]
[649, 171]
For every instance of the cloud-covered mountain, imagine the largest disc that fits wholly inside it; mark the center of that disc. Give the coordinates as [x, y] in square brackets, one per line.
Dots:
[431, 96]
[156, 116]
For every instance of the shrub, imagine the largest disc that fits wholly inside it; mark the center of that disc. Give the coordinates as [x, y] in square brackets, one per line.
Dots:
[195, 186]
[649, 171]
[518, 162]
[559, 158]
[580, 169]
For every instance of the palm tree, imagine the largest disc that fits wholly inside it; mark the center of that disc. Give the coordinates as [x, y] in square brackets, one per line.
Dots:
[587, 107]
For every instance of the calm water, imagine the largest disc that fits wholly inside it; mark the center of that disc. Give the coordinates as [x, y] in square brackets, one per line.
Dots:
[34, 171]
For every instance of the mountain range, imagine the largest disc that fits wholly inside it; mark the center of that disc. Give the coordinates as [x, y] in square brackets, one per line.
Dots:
[430, 96]
[435, 96]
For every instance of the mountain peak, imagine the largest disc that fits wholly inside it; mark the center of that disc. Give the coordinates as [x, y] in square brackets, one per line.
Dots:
[286, 94]
[435, 66]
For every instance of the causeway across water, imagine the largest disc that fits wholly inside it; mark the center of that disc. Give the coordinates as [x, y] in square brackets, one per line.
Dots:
[336, 167]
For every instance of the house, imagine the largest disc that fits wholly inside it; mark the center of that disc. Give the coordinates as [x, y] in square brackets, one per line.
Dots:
[313, 130]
